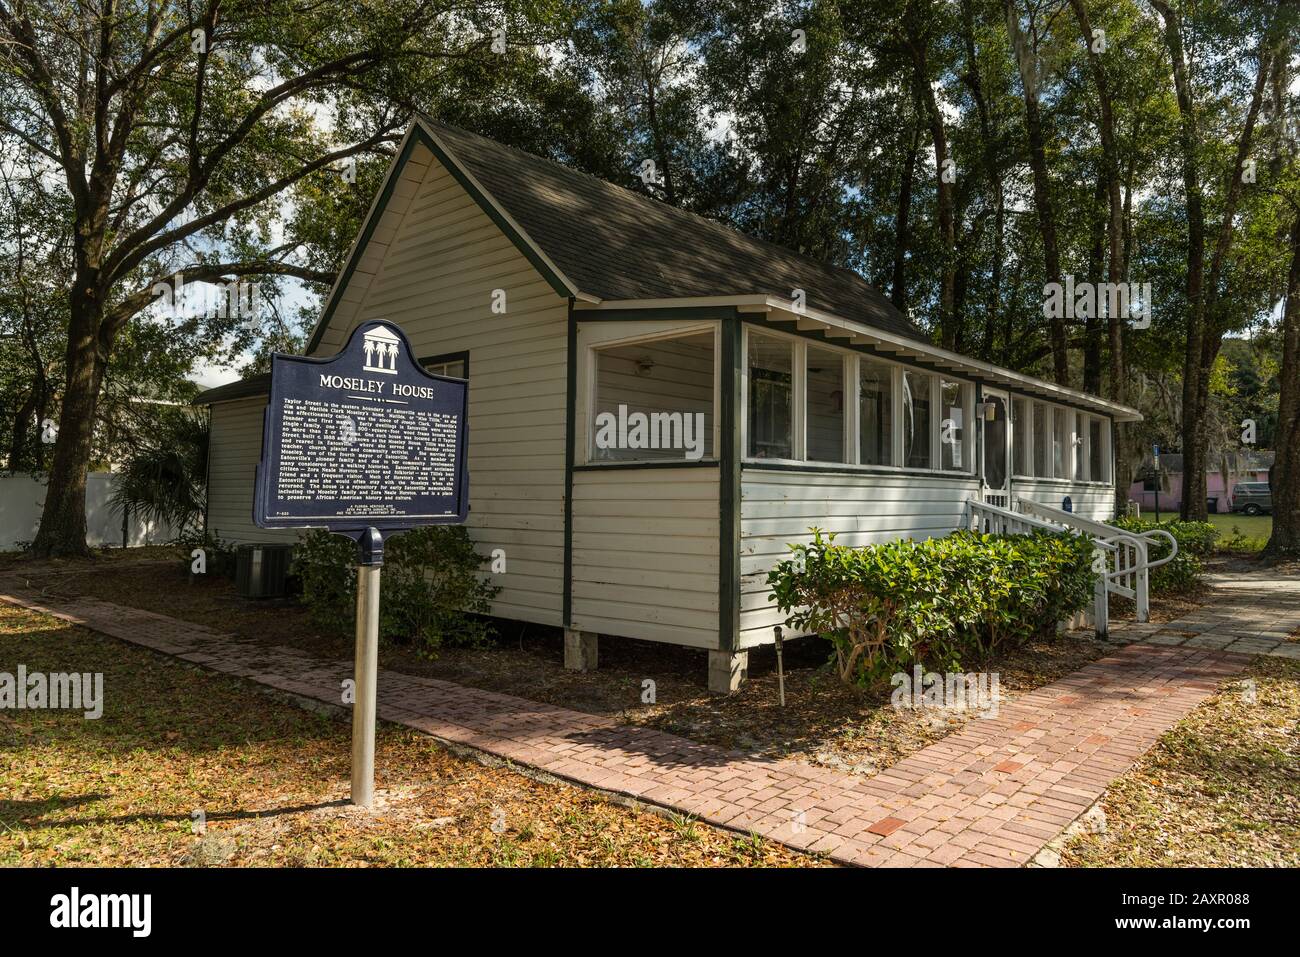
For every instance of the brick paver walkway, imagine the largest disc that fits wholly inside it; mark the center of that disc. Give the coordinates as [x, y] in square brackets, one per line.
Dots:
[1249, 614]
[991, 794]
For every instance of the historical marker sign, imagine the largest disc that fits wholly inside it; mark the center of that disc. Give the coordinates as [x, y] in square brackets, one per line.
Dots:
[363, 443]
[364, 439]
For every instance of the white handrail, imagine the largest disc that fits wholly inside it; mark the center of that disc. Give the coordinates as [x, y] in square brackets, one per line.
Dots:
[1131, 576]
[1094, 527]
[993, 520]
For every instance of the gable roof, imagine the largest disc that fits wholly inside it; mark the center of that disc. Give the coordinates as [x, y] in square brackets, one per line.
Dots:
[604, 244]
[614, 243]
[246, 388]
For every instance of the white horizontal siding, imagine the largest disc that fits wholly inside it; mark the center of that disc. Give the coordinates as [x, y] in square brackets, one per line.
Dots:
[1088, 500]
[234, 448]
[431, 267]
[645, 554]
[436, 280]
[779, 507]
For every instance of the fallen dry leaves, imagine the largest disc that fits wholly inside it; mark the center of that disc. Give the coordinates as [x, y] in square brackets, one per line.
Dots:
[1220, 789]
[188, 767]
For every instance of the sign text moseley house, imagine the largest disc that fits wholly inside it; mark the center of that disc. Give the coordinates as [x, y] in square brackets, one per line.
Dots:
[822, 405]
[359, 440]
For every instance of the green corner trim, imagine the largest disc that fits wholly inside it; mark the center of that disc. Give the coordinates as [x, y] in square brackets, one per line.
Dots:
[729, 489]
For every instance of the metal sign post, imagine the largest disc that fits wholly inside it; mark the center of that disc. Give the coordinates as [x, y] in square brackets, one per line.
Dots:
[365, 443]
[1155, 464]
[366, 668]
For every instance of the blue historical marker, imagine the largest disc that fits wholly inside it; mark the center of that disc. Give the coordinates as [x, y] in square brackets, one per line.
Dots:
[363, 443]
[364, 439]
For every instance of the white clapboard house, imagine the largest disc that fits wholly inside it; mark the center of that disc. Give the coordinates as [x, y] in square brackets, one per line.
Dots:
[598, 329]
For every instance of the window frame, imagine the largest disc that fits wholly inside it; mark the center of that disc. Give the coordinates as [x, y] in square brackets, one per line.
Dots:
[445, 359]
[967, 392]
[1076, 447]
[852, 406]
[588, 383]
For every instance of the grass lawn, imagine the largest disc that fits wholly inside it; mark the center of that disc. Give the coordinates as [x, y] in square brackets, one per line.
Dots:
[1221, 789]
[1242, 533]
[271, 780]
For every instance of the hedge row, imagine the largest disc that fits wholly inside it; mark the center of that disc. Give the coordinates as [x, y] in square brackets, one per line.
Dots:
[429, 583]
[1195, 543]
[940, 602]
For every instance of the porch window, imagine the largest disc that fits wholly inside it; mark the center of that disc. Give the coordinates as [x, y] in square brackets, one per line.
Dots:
[808, 402]
[875, 412]
[1042, 440]
[918, 419]
[1082, 447]
[771, 435]
[1021, 417]
[825, 413]
[653, 400]
[1062, 443]
[952, 426]
[1098, 460]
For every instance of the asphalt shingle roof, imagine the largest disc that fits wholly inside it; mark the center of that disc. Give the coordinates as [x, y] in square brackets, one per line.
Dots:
[618, 244]
[241, 389]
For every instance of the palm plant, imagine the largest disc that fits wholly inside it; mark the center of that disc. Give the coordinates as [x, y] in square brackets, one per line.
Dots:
[165, 481]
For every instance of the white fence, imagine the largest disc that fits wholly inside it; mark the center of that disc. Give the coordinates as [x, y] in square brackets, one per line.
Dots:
[22, 497]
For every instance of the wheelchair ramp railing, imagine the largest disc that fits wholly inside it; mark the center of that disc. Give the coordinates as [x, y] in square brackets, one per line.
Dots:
[1121, 559]
[994, 520]
[991, 519]
[1128, 554]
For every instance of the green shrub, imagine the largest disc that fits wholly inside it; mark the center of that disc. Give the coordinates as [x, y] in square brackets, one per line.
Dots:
[936, 602]
[430, 588]
[1195, 543]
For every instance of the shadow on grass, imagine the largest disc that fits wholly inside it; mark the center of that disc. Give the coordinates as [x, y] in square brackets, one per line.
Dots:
[34, 814]
[151, 703]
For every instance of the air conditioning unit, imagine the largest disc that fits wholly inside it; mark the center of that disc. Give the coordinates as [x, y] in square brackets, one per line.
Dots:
[261, 570]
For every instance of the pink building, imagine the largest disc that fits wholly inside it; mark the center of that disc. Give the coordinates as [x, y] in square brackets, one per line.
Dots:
[1244, 467]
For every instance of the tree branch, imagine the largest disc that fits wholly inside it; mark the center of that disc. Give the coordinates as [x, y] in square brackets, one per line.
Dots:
[120, 266]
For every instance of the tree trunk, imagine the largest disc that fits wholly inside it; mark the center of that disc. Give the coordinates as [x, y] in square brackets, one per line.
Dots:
[63, 518]
[1116, 258]
[1027, 62]
[902, 236]
[1092, 323]
[947, 220]
[976, 85]
[1194, 444]
[1285, 476]
[21, 454]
